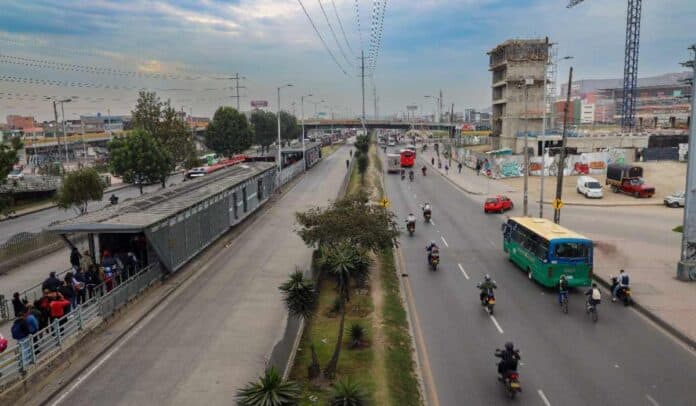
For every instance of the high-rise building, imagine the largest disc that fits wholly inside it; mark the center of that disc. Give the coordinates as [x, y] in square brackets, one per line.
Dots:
[517, 68]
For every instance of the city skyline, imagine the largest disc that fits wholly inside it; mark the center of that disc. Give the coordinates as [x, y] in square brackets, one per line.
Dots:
[426, 47]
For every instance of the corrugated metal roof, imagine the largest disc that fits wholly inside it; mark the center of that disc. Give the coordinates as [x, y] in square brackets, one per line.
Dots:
[152, 208]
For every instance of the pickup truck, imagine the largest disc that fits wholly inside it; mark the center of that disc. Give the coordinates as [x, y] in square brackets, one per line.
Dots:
[628, 179]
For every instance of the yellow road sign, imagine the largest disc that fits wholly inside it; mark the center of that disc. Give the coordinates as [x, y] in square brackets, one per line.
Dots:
[557, 203]
[384, 202]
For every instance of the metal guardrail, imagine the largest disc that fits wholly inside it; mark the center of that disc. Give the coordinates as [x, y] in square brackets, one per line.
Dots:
[17, 360]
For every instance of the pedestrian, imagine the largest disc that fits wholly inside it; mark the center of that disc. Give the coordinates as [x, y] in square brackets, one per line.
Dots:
[459, 167]
[67, 290]
[75, 258]
[51, 283]
[478, 167]
[17, 305]
[432, 161]
[86, 261]
[347, 163]
[79, 284]
[446, 169]
[3, 344]
[351, 153]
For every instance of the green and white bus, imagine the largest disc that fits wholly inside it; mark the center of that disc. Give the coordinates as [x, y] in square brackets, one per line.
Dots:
[545, 251]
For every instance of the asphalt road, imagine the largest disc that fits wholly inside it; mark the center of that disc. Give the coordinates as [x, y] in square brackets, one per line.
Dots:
[566, 359]
[215, 334]
[35, 222]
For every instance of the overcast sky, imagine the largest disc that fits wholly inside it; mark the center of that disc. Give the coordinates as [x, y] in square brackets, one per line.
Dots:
[103, 51]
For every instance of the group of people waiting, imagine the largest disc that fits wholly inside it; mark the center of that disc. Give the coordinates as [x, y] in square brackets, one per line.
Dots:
[60, 296]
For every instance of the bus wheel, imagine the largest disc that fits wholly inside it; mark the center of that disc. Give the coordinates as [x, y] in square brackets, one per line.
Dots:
[529, 274]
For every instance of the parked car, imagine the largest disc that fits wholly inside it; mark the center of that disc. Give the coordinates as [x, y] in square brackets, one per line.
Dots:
[628, 179]
[497, 204]
[589, 187]
[676, 199]
[15, 174]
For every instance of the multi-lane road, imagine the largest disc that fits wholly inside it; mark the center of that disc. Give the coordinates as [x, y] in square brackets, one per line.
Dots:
[566, 359]
[35, 222]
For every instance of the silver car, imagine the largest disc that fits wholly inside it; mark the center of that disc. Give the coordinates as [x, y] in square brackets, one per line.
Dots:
[676, 199]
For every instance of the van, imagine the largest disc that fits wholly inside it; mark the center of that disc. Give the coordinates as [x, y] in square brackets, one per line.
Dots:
[590, 187]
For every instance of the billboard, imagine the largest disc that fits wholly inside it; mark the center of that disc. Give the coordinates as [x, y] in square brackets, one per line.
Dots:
[412, 107]
[259, 103]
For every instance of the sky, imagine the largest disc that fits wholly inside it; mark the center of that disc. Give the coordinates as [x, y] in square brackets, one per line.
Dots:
[100, 53]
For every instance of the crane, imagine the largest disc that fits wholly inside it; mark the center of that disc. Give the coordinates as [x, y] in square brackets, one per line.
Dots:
[630, 78]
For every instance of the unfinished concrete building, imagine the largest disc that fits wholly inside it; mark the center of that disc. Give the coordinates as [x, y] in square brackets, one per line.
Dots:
[518, 90]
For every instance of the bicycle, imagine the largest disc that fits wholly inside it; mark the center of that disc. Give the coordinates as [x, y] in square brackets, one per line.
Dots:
[564, 302]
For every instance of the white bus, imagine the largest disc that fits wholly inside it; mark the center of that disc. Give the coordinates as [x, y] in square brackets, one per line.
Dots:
[393, 163]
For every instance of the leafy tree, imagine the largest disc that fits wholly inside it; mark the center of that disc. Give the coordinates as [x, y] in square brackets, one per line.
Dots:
[173, 135]
[229, 132]
[9, 156]
[139, 158]
[363, 162]
[269, 390]
[347, 392]
[362, 143]
[79, 188]
[352, 219]
[289, 129]
[148, 110]
[165, 125]
[346, 263]
[265, 127]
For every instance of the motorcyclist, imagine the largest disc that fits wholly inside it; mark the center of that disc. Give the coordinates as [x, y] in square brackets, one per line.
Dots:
[403, 174]
[113, 199]
[508, 359]
[621, 282]
[486, 286]
[427, 208]
[411, 221]
[410, 174]
[432, 248]
[594, 296]
[562, 289]
[424, 169]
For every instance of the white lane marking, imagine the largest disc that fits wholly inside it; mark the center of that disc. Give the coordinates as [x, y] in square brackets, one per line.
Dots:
[543, 397]
[101, 361]
[496, 324]
[461, 268]
[444, 241]
[652, 400]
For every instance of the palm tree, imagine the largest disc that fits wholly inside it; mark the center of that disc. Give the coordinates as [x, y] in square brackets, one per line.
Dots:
[345, 263]
[300, 295]
[269, 390]
[348, 393]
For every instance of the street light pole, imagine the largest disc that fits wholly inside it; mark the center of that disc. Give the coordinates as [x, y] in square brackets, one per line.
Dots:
[280, 167]
[686, 268]
[525, 202]
[65, 135]
[303, 128]
[561, 160]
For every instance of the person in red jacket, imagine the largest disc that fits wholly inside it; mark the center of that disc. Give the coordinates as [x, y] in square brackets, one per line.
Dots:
[58, 306]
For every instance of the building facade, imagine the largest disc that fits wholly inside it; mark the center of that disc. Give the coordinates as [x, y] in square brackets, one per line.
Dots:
[518, 68]
[16, 122]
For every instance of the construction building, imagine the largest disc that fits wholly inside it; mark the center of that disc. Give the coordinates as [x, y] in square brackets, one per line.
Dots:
[517, 68]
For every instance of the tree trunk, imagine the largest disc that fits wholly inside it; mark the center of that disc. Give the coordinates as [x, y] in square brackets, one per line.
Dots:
[330, 370]
[314, 369]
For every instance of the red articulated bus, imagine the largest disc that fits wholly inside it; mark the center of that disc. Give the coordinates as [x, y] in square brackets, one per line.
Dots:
[408, 158]
[206, 170]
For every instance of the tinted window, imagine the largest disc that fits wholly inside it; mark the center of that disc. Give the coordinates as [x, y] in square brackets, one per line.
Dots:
[593, 185]
[571, 250]
[491, 200]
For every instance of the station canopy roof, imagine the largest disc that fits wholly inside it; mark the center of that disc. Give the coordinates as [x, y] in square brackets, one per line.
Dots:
[144, 211]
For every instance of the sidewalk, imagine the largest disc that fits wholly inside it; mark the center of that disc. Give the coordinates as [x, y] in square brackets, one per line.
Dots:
[639, 240]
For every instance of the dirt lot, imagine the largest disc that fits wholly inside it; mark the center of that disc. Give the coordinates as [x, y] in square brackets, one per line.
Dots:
[666, 176]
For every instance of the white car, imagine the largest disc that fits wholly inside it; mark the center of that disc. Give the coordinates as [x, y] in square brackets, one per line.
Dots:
[676, 199]
[589, 187]
[391, 143]
[16, 174]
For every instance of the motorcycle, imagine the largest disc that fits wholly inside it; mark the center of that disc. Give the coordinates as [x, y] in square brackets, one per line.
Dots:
[411, 227]
[426, 215]
[434, 260]
[113, 200]
[424, 170]
[623, 294]
[591, 310]
[488, 301]
[511, 382]
[410, 176]
[403, 175]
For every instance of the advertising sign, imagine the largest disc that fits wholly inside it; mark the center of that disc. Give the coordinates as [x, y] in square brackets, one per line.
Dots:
[259, 103]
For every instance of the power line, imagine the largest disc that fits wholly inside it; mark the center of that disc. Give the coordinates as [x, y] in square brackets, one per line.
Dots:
[333, 33]
[357, 18]
[340, 24]
[322, 38]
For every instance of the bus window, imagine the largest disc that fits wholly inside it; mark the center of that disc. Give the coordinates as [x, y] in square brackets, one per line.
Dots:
[570, 250]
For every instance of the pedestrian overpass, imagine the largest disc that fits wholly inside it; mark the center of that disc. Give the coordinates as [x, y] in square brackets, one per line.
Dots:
[374, 124]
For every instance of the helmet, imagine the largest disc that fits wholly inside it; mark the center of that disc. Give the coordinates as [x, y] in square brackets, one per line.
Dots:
[487, 277]
[563, 277]
[594, 285]
[432, 242]
[410, 214]
[509, 346]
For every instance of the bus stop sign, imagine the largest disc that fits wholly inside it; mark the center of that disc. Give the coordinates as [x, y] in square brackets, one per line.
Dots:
[557, 204]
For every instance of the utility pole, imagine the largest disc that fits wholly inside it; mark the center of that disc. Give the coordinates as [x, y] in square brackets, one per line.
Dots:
[236, 78]
[374, 96]
[543, 134]
[561, 160]
[686, 268]
[439, 108]
[362, 77]
[525, 206]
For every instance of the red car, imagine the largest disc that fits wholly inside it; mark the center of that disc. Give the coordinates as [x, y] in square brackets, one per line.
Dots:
[497, 204]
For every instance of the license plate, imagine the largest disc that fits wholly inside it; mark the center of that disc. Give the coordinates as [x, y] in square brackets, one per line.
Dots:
[514, 385]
